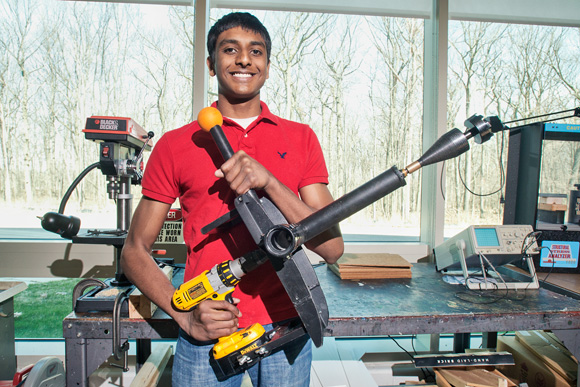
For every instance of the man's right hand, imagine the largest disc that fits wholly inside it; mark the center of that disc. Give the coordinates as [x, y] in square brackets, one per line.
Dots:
[211, 320]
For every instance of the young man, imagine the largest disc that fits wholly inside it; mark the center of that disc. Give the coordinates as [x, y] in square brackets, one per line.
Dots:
[277, 158]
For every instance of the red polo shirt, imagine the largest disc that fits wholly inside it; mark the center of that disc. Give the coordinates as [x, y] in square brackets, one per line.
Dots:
[182, 165]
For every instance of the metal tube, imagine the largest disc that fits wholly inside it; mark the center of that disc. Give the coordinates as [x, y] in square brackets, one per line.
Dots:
[124, 199]
[282, 240]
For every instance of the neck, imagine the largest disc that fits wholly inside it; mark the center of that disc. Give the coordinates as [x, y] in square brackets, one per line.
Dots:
[239, 108]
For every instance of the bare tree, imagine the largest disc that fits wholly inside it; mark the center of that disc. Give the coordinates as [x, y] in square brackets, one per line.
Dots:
[296, 34]
[20, 43]
[399, 45]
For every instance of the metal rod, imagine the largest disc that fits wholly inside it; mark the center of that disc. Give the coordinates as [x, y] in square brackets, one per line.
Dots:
[542, 115]
[538, 122]
[282, 240]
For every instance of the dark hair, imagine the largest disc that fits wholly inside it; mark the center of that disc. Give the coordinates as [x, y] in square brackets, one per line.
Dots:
[237, 19]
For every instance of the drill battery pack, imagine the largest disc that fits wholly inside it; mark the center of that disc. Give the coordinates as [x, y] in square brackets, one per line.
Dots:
[243, 349]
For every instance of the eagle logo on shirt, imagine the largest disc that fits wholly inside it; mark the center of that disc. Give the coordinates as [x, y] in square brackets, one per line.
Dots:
[282, 155]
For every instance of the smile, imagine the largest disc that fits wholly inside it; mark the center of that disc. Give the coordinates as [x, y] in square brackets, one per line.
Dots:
[242, 75]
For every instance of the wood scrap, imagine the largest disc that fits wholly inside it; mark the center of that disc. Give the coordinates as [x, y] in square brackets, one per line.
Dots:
[510, 382]
[551, 351]
[440, 380]
[152, 370]
[139, 305]
[371, 266]
[473, 378]
[552, 207]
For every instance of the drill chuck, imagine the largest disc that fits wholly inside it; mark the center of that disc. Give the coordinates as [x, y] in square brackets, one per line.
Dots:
[229, 272]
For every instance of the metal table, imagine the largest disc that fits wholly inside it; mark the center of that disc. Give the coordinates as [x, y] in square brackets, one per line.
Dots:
[424, 304]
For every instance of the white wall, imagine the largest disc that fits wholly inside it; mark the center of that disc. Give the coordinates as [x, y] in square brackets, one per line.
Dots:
[44, 259]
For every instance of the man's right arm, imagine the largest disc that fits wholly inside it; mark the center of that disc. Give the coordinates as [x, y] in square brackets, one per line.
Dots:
[211, 319]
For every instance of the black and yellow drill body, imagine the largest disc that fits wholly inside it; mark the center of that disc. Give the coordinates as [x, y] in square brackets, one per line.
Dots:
[217, 284]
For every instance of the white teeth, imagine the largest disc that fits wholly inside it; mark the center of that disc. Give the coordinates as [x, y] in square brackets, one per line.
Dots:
[240, 75]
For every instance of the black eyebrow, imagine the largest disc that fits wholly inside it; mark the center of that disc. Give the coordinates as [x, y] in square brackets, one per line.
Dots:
[235, 41]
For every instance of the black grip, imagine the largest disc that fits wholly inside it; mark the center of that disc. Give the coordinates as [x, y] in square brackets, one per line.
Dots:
[226, 150]
[222, 142]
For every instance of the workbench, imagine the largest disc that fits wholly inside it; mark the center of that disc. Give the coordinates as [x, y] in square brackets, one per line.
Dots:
[424, 304]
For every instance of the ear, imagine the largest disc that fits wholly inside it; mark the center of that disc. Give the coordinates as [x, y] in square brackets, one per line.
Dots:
[210, 66]
[268, 71]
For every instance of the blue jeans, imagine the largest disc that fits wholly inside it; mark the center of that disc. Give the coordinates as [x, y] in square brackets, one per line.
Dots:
[191, 366]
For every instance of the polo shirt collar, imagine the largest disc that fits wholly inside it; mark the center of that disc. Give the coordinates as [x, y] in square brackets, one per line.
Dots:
[265, 115]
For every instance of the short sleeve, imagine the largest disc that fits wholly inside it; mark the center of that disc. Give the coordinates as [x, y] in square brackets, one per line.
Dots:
[159, 181]
[315, 169]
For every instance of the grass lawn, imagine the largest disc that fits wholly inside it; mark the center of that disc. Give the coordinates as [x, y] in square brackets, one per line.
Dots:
[41, 308]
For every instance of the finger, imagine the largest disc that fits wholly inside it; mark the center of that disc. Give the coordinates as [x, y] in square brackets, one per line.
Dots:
[221, 332]
[216, 329]
[236, 159]
[242, 183]
[212, 306]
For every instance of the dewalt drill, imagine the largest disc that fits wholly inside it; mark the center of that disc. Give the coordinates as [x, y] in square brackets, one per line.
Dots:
[218, 284]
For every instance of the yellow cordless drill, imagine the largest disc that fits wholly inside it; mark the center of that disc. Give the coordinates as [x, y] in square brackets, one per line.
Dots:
[215, 284]
[218, 284]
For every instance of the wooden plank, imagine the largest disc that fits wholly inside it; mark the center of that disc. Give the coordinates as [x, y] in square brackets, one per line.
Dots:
[552, 352]
[440, 380]
[380, 260]
[552, 207]
[139, 305]
[473, 377]
[371, 266]
[510, 383]
[152, 370]
[369, 273]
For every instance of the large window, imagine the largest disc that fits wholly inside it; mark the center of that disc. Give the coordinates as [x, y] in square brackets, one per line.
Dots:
[357, 81]
[512, 71]
[65, 61]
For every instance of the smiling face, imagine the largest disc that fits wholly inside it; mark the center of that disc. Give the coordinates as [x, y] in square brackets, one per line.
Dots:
[241, 66]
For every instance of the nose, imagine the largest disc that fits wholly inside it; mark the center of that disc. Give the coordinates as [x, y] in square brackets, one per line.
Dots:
[243, 59]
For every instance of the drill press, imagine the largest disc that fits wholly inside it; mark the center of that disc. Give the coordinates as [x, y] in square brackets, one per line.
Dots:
[121, 145]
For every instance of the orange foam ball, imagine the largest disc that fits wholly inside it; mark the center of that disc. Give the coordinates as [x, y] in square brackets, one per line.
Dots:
[209, 117]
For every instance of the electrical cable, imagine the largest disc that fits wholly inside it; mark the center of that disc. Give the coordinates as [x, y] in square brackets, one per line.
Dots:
[74, 184]
[501, 176]
[407, 352]
[526, 245]
[426, 373]
[575, 114]
[553, 262]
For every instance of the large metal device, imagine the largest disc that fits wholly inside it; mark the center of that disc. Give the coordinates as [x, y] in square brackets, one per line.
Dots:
[282, 242]
[121, 145]
[525, 192]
